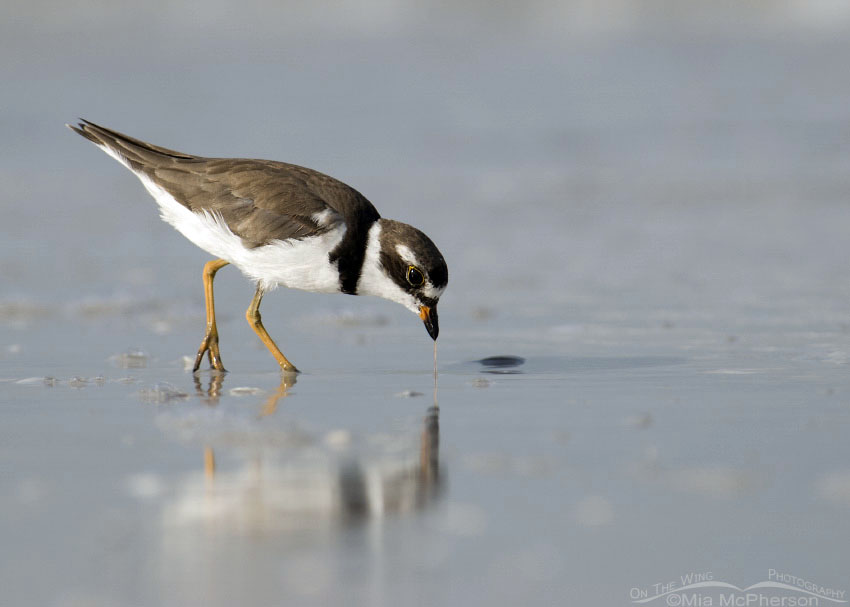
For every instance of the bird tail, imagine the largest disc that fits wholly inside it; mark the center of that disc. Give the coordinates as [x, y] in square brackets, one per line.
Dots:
[133, 153]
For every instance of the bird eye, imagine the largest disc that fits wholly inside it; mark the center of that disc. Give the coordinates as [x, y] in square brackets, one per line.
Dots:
[414, 276]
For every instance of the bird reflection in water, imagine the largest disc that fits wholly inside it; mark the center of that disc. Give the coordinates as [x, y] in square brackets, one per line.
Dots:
[294, 481]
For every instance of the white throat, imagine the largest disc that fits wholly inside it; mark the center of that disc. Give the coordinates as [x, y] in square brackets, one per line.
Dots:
[373, 276]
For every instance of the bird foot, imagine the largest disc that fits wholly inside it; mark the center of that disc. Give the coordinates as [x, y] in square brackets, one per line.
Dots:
[209, 346]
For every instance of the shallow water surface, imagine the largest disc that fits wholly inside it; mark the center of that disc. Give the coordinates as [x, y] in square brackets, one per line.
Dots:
[148, 485]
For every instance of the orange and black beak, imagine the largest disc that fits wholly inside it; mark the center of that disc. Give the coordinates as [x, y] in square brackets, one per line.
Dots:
[429, 317]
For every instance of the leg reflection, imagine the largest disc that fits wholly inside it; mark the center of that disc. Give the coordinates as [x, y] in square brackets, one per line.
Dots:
[287, 380]
[209, 462]
[212, 394]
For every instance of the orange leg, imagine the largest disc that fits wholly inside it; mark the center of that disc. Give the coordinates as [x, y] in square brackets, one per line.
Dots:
[209, 345]
[253, 316]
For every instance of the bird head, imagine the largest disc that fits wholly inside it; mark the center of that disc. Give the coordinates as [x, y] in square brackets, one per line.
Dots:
[403, 265]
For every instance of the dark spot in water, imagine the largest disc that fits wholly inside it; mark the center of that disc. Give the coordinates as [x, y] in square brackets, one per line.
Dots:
[560, 365]
[502, 361]
[502, 364]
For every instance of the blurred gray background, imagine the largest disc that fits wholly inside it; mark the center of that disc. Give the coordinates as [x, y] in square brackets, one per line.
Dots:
[691, 146]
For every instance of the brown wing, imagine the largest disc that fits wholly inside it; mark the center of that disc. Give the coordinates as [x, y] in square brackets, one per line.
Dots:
[260, 200]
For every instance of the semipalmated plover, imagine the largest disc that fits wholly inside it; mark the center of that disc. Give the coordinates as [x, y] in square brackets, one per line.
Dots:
[281, 224]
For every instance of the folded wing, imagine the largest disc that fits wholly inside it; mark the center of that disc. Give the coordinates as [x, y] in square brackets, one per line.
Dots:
[260, 200]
